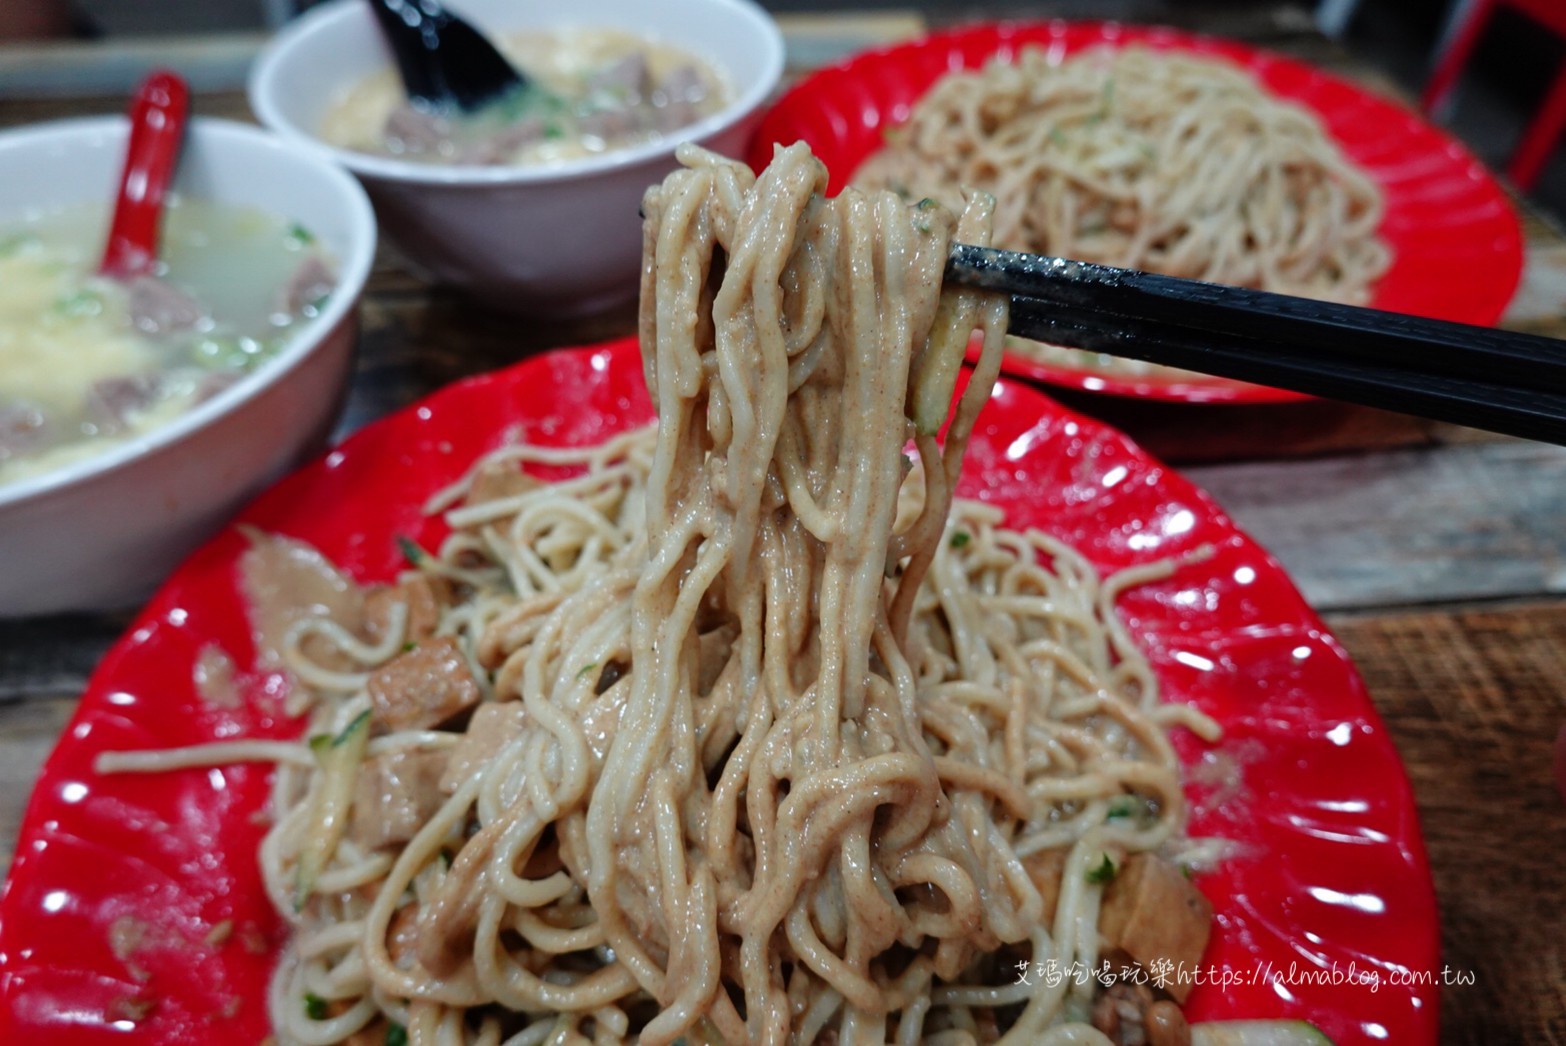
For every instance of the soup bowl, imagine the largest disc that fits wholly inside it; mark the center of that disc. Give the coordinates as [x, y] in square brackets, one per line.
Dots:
[100, 531]
[562, 238]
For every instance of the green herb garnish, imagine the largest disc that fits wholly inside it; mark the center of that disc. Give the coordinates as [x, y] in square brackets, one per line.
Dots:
[82, 303]
[300, 235]
[410, 549]
[1104, 873]
[960, 538]
[586, 669]
[396, 1035]
[315, 1007]
[1120, 806]
[221, 352]
[9, 245]
[532, 99]
[409, 646]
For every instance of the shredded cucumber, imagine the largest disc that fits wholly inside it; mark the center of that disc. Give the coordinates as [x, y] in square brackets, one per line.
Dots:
[935, 378]
[1257, 1033]
[339, 758]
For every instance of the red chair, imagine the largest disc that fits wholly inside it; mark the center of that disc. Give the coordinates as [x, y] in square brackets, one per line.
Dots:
[1542, 133]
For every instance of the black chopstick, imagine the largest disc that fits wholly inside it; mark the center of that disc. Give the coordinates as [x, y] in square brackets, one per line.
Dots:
[1500, 380]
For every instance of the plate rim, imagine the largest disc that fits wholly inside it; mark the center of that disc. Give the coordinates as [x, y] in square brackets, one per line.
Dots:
[1205, 390]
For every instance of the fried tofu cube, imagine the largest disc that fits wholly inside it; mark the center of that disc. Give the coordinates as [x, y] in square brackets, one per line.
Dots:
[394, 795]
[423, 688]
[372, 1034]
[493, 726]
[1153, 913]
[402, 936]
[499, 479]
[1045, 868]
[425, 597]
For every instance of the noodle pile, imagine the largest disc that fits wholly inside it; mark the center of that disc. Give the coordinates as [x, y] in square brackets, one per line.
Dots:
[1145, 160]
[807, 749]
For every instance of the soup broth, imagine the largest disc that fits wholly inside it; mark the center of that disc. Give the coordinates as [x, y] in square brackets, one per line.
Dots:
[590, 91]
[87, 363]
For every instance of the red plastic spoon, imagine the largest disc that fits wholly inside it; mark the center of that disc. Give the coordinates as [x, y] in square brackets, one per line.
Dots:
[157, 116]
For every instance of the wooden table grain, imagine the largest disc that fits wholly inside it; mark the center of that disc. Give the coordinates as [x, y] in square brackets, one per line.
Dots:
[1437, 554]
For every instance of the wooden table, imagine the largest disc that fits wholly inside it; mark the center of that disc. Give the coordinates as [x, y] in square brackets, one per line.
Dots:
[1437, 554]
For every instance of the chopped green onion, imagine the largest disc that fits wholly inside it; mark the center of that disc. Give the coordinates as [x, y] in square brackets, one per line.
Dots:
[410, 645]
[1104, 873]
[396, 1035]
[315, 1007]
[80, 304]
[221, 352]
[586, 669]
[300, 235]
[410, 550]
[1120, 806]
[16, 241]
[960, 538]
[533, 99]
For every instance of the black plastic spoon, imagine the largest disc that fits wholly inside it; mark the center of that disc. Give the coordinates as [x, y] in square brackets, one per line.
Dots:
[444, 61]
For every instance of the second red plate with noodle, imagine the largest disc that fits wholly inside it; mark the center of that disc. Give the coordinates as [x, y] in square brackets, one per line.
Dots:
[1455, 240]
[134, 912]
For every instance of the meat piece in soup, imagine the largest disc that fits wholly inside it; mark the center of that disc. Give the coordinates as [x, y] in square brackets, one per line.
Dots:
[589, 91]
[87, 363]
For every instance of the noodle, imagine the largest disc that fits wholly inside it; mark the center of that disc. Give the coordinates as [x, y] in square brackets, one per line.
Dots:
[1144, 160]
[803, 748]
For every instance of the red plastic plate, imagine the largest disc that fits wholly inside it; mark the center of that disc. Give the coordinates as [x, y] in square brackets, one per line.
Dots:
[1332, 874]
[1456, 244]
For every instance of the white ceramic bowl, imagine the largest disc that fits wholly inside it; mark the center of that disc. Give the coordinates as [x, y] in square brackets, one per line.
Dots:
[546, 239]
[101, 532]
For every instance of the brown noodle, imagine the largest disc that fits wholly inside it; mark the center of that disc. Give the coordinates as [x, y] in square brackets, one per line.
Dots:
[846, 709]
[1146, 160]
